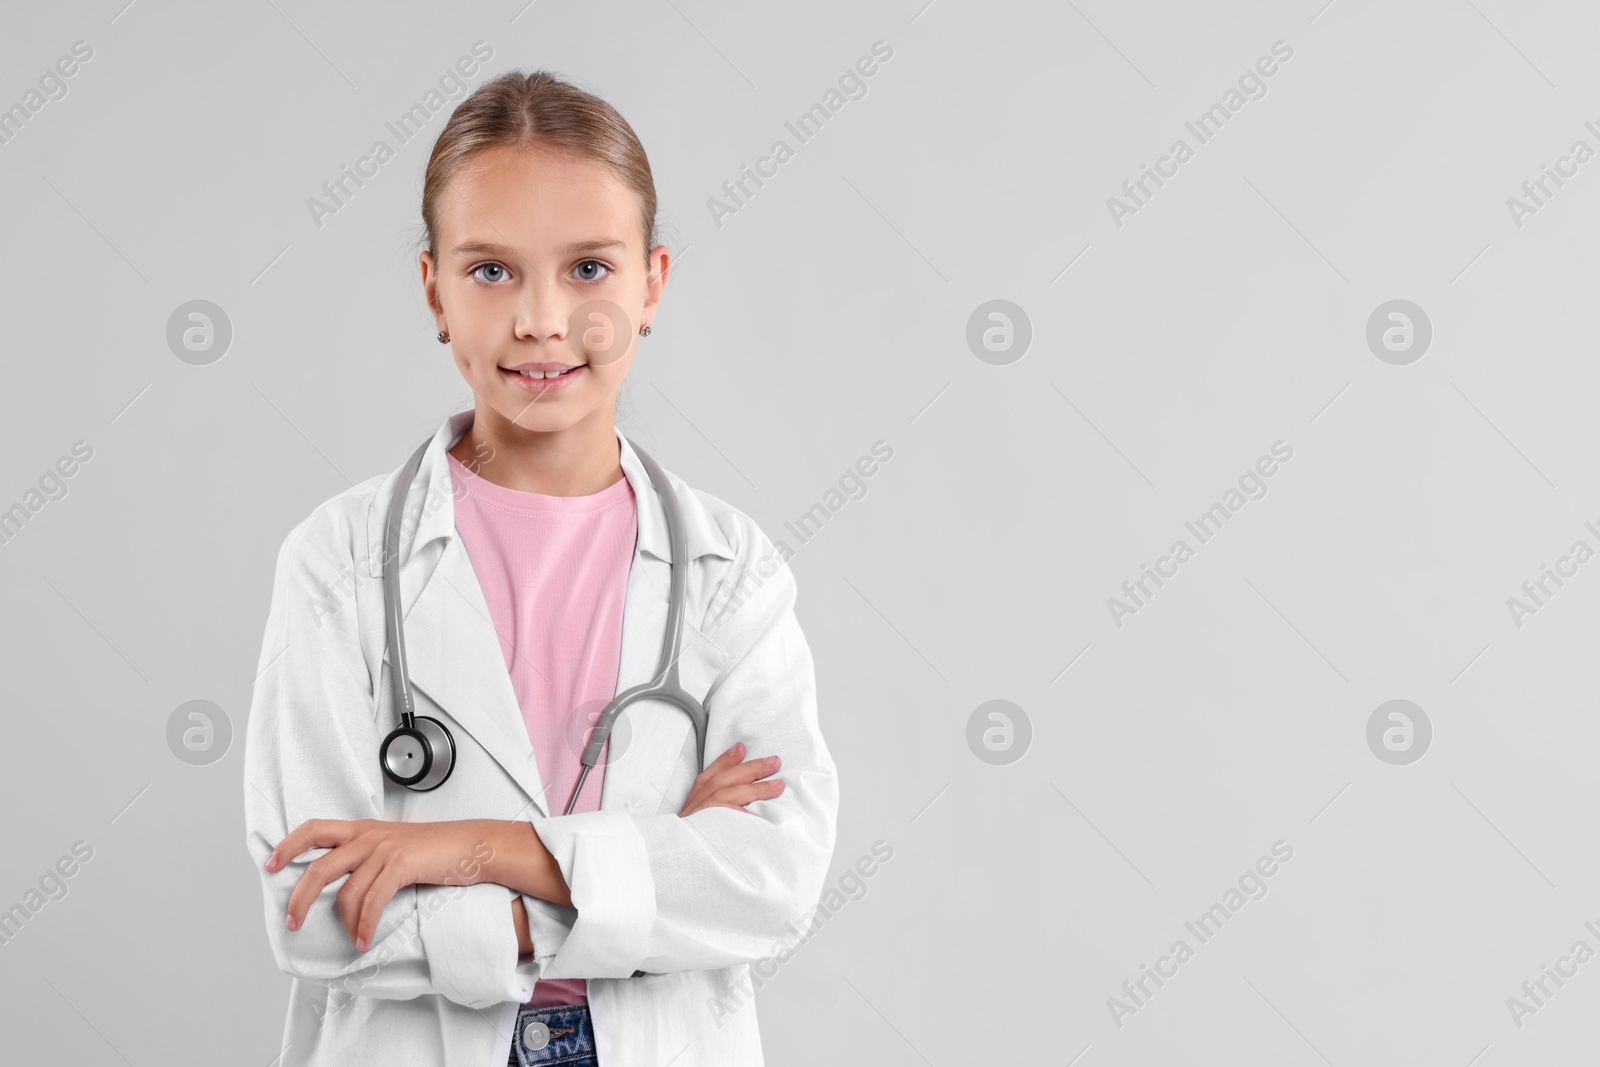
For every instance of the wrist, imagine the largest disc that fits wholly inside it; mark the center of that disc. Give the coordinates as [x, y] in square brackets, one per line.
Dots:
[519, 860]
[498, 838]
[519, 919]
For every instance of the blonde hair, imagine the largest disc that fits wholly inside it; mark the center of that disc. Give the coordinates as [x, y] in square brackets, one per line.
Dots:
[538, 110]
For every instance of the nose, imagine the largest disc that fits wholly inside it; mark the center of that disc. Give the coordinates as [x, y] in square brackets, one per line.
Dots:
[542, 311]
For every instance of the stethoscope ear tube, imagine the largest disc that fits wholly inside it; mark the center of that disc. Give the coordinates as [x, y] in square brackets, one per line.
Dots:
[667, 689]
[666, 685]
[391, 583]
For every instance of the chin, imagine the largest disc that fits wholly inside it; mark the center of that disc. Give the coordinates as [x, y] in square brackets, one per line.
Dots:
[542, 417]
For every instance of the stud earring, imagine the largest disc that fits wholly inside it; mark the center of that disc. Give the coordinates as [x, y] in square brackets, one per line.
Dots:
[644, 331]
[444, 338]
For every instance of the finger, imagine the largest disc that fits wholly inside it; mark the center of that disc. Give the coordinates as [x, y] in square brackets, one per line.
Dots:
[348, 899]
[769, 790]
[300, 839]
[760, 791]
[746, 772]
[724, 761]
[724, 771]
[306, 890]
[764, 766]
[737, 796]
[318, 873]
[313, 833]
[716, 767]
[739, 774]
[376, 898]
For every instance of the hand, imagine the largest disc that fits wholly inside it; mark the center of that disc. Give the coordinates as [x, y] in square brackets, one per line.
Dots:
[381, 858]
[727, 783]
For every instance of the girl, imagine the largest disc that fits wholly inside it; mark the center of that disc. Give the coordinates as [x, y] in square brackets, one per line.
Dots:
[477, 923]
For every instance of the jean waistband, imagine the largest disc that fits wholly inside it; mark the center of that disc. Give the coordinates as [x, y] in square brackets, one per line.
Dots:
[553, 1035]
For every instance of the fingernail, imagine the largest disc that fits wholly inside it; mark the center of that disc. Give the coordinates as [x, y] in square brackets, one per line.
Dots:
[290, 922]
[361, 944]
[774, 760]
[272, 863]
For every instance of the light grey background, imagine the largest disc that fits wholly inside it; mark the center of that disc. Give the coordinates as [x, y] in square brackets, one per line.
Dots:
[831, 311]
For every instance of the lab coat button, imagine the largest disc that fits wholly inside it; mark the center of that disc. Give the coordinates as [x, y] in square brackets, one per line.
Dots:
[536, 1035]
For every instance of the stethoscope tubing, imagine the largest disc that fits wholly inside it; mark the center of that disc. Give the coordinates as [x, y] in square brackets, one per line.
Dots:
[391, 584]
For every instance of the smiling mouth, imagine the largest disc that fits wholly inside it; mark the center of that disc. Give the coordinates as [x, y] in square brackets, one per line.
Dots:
[542, 375]
[541, 383]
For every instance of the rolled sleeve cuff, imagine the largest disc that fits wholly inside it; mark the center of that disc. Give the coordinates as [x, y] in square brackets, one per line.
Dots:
[470, 939]
[548, 927]
[603, 857]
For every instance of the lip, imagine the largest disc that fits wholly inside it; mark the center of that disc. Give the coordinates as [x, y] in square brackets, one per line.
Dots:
[542, 366]
[542, 386]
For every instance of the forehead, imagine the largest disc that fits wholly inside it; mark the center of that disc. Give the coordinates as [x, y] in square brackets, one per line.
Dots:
[533, 197]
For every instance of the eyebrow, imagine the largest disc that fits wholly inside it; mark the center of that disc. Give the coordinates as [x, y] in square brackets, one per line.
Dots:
[489, 248]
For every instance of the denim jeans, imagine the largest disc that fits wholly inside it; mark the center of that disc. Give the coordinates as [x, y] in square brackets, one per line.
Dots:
[559, 1035]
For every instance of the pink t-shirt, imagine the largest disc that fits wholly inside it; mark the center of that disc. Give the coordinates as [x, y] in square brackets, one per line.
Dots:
[554, 571]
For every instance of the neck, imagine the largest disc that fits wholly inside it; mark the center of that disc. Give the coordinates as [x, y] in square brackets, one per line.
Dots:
[579, 460]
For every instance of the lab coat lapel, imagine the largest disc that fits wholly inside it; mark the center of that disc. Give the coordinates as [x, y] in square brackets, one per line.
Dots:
[454, 656]
[649, 734]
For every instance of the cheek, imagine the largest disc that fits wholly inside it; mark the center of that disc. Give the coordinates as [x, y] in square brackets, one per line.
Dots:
[619, 366]
[611, 357]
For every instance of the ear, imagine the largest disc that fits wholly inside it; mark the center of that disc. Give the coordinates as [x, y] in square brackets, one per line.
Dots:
[660, 268]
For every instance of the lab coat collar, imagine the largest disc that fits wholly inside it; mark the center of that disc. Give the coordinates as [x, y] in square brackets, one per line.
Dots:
[435, 495]
[455, 656]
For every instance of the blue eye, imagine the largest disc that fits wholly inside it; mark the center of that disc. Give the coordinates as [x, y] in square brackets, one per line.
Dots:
[594, 263]
[488, 266]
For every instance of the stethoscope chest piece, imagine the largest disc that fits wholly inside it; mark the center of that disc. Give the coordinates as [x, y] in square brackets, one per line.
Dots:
[420, 756]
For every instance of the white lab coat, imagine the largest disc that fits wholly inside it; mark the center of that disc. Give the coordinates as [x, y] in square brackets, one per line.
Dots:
[689, 901]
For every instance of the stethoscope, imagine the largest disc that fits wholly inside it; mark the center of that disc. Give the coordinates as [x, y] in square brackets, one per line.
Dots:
[420, 753]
